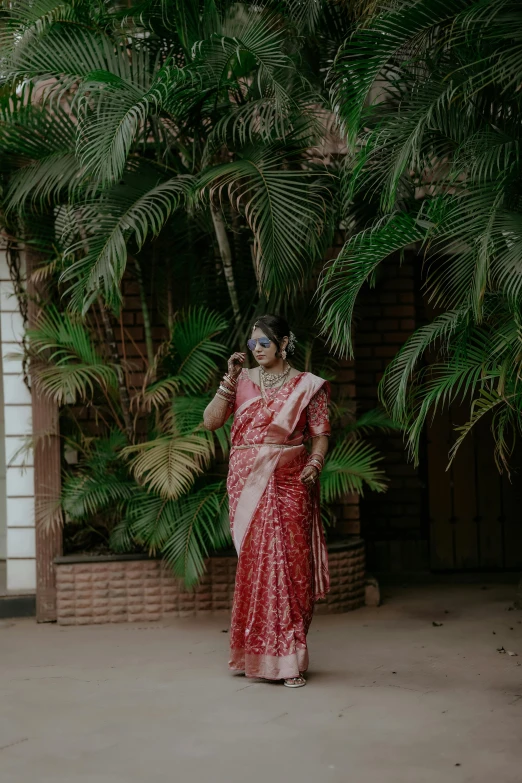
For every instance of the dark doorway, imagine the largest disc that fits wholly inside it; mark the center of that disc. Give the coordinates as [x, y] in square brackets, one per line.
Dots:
[475, 511]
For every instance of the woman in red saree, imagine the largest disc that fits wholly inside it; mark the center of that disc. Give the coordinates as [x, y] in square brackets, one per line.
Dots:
[274, 503]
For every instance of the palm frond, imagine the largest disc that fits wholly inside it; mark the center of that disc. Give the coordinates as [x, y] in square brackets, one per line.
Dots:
[114, 112]
[373, 52]
[187, 418]
[66, 364]
[185, 531]
[62, 55]
[130, 212]
[343, 279]
[284, 207]
[100, 483]
[25, 20]
[305, 13]
[252, 38]
[482, 406]
[38, 150]
[168, 466]
[349, 468]
[194, 349]
[394, 385]
[202, 526]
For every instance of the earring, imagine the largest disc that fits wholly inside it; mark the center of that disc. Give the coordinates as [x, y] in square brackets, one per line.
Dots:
[283, 354]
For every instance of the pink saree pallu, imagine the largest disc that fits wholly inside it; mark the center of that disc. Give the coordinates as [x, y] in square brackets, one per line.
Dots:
[276, 525]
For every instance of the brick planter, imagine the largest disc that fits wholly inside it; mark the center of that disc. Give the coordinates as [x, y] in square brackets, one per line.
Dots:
[129, 588]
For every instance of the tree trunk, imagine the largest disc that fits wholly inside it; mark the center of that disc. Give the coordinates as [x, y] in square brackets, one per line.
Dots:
[226, 259]
[115, 357]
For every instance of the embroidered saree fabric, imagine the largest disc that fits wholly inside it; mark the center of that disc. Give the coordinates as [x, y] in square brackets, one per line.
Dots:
[276, 525]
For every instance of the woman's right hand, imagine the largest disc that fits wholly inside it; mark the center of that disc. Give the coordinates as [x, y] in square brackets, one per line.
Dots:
[235, 364]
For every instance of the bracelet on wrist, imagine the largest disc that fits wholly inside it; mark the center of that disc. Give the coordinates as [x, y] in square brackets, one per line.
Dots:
[227, 399]
[226, 394]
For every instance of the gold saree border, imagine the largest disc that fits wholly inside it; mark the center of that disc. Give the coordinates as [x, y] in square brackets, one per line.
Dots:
[269, 667]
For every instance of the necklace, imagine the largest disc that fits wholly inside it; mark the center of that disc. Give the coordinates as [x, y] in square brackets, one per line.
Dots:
[280, 379]
[271, 379]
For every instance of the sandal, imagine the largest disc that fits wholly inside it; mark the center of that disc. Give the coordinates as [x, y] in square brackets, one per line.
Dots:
[295, 682]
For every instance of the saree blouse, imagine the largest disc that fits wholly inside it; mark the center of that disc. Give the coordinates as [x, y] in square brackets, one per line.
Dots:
[312, 422]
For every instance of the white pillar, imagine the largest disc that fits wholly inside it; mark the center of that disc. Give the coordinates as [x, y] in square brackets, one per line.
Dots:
[18, 500]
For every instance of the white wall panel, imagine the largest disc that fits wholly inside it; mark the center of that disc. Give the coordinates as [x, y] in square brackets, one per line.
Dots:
[15, 391]
[20, 512]
[20, 483]
[16, 452]
[20, 542]
[21, 575]
[18, 420]
[16, 482]
[12, 325]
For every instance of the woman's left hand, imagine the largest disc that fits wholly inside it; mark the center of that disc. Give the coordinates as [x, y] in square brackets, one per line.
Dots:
[309, 475]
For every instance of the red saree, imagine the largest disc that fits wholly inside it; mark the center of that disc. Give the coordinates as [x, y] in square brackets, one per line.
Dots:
[276, 525]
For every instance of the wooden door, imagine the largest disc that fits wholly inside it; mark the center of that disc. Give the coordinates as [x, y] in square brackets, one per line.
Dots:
[475, 512]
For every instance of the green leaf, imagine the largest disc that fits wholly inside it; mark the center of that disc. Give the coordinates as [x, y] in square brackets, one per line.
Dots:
[284, 207]
[168, 466]
[65, 362]
[184, 530]
[130, 212]
[194, 350]
[371, 54]
[202, 526]
[343, 279]
[349, 467]
[100, 483]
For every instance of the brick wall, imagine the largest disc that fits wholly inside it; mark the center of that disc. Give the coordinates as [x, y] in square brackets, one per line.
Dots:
[131, 334]
[129, 590]
[394, 524]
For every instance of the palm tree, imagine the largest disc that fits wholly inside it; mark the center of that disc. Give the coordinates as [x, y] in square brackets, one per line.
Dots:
[428, 95]
[130, 138]
[113, 480]
[160, 107]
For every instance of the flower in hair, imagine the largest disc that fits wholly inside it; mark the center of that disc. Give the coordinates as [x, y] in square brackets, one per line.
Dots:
[291, 342]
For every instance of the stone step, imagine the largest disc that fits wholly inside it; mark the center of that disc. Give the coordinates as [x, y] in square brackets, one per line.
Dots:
[17, 606]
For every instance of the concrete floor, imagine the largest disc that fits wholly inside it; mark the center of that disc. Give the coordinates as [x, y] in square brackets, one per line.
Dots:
[390, 699]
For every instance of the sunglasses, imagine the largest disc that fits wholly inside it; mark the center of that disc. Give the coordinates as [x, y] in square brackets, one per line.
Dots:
[264, 342]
